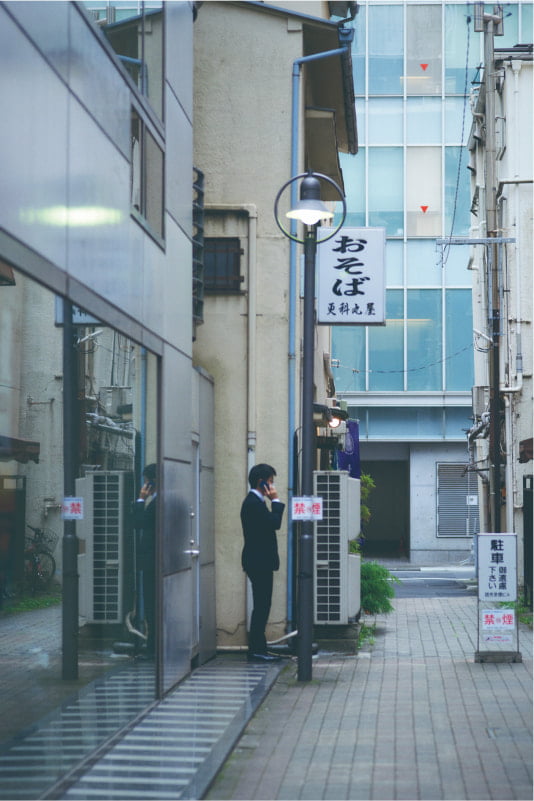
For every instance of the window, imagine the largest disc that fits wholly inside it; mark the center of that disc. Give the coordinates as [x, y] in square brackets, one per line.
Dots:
[457, 499]
[385, 120]
[222, 264]
[424, 340]
[135, 32]
[386, 347]
[423, 49]
[386, 184]
[423, 191]
[457, 193]
[459, 363]
[386, 32]
[147, 176]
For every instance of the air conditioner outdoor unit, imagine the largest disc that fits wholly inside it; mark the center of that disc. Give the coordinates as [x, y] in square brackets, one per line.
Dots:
[337, 573]
[105, 561]
[113, 398]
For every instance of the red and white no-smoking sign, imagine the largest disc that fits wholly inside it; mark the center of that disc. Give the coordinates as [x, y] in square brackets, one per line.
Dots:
[307, 507]
[72, 509]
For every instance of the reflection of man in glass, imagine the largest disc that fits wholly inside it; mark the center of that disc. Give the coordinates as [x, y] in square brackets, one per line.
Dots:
[145, 524]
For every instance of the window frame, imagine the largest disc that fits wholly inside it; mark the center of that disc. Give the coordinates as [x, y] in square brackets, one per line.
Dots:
[143, 211]
[232, 280]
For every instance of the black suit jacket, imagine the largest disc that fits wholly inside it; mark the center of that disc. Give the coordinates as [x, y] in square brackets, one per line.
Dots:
[260, 525]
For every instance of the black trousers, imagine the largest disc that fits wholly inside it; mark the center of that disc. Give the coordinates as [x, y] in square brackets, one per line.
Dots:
[262, 592]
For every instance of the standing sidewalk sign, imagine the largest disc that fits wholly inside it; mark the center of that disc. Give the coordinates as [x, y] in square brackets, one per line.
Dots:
[351, 286]
[497, 583]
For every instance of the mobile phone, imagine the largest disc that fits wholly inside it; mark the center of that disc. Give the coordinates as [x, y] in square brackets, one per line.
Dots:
[264, 486]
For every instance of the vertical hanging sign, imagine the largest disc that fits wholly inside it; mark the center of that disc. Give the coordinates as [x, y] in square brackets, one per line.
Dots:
[351, 277]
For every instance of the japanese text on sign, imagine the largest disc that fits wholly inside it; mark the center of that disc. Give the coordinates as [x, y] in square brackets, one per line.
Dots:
[351, 277]
[497, 567]
[307, 508]
[72, 509]
[498, 625]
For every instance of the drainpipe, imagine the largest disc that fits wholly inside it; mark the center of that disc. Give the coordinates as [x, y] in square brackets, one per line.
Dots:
[291, 438]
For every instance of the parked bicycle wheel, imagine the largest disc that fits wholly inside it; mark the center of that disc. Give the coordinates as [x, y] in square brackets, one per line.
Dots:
[45, 568]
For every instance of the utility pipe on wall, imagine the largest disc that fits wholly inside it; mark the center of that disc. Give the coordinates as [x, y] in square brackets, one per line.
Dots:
[295, 109]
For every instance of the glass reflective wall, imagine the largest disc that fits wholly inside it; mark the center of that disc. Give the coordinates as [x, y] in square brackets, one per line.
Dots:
[114, 509]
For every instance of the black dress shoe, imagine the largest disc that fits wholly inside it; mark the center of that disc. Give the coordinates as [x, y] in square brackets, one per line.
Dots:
[262, 658]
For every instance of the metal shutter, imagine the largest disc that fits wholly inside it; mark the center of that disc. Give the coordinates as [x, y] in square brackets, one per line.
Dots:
[457, 499]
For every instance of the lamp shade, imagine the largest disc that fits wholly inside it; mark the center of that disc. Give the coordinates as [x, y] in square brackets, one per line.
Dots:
[310, 209]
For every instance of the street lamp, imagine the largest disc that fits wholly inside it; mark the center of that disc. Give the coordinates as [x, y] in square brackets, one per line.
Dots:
[309, 210]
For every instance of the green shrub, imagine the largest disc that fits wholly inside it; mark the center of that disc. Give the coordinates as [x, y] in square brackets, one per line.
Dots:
[376, 588]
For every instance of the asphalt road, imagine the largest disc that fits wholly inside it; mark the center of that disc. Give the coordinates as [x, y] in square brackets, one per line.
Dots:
[434, 582]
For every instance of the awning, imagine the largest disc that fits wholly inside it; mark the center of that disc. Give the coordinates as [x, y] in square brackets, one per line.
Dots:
[18, 450]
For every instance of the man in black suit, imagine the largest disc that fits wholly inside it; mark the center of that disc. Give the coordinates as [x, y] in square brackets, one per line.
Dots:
[260, 553]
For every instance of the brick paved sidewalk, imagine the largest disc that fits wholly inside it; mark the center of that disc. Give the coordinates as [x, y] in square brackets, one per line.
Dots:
[411, 717]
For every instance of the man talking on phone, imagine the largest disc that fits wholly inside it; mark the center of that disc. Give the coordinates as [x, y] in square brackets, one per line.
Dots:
[260, 553]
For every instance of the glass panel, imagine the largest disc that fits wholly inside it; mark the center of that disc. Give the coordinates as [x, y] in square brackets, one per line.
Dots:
[457, 120]
[354, 182]
[358, 51]
[114, 382]
[386, 346]
[510, 26]
[154, 184]
[457, 192]
[527, 23]
[385, 121]
[423, 263]
[386, 31]
[457, 422]
[348, 357]
[457, 31]
[405, 424]
[455, 261]
[423, 191]
[423, 121]
[458, 340]
[394, 262]
[423, 49]
[386, 189]
[360, 121]
[424, 339]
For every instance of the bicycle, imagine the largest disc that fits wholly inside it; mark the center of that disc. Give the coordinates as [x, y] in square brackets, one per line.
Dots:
[39, 562]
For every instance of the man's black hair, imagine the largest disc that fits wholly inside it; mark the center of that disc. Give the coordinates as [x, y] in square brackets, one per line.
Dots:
[150, 473]
[260, 472]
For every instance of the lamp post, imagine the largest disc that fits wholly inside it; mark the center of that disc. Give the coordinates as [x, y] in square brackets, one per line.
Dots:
[309, 210]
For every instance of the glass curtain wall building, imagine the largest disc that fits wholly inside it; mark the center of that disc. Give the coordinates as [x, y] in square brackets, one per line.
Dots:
[409, 382]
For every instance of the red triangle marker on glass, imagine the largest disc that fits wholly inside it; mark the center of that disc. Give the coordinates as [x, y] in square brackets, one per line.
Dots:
[424, 66]
[424, 209]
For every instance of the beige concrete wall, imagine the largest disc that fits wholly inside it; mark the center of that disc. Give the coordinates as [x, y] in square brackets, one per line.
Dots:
[242, 124]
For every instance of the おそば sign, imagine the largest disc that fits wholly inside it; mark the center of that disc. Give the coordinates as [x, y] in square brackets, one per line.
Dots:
[351, 277]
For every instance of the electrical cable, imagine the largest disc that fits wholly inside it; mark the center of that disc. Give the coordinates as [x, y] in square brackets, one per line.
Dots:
[446, 249]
